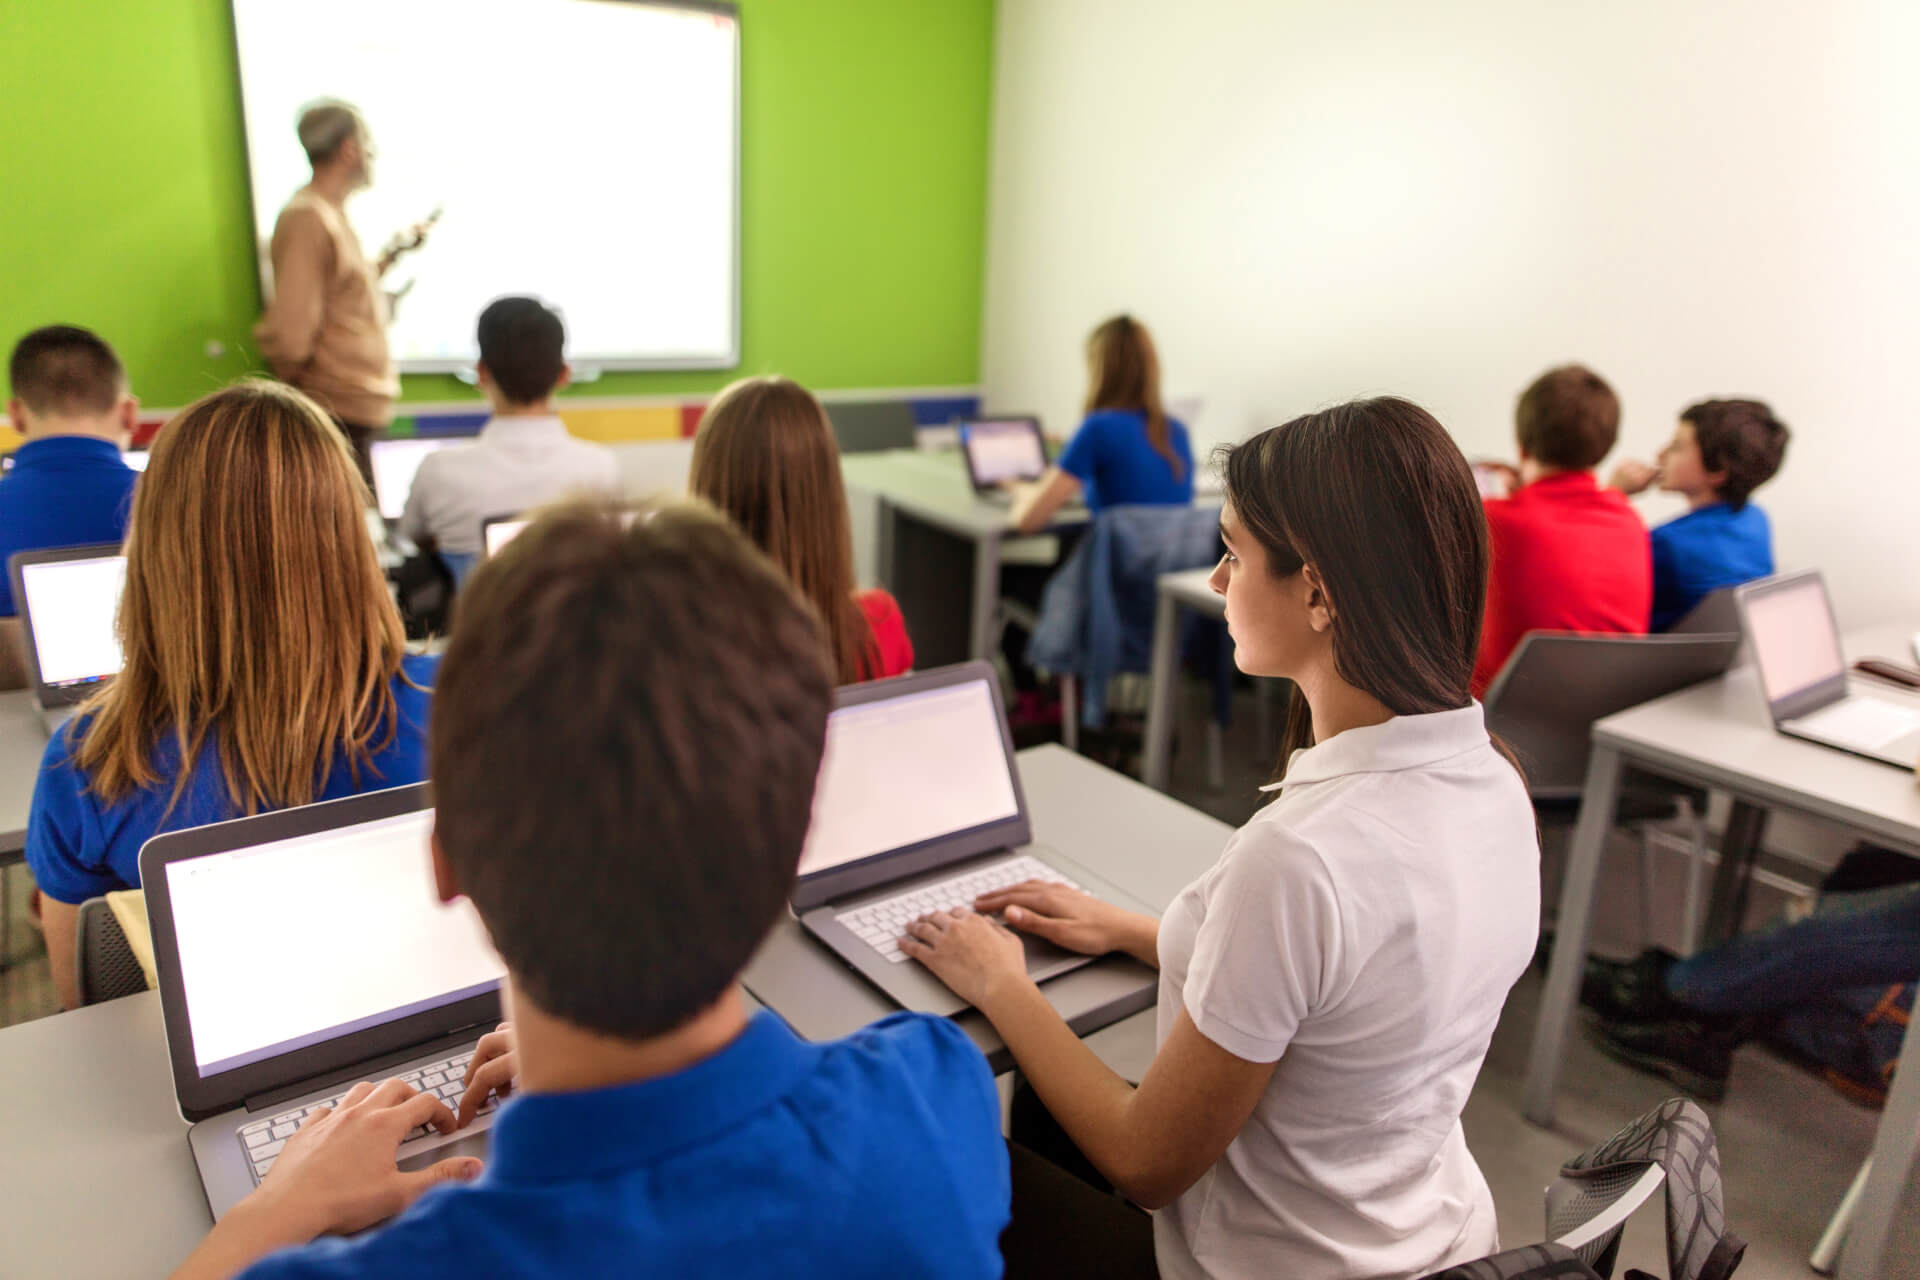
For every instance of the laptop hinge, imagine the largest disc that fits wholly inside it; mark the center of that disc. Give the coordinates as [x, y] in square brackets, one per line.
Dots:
[368, 1070]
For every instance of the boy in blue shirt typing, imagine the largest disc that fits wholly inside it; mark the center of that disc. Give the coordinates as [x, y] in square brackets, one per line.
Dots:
[626, 732]
[1720, 453]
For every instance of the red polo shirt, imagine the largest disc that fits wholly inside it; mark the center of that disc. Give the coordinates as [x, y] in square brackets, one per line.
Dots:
[1567, 556]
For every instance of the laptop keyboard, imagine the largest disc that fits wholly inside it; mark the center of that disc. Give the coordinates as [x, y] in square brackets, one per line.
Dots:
[1865, 722]
[881, 924]
[263, 1139]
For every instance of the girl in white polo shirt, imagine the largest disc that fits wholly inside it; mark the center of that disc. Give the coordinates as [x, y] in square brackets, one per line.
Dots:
[1328, 989]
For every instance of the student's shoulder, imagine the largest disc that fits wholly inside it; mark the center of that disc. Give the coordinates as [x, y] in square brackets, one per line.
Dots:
[931, 1055]
[427, 1240]
[878, 605]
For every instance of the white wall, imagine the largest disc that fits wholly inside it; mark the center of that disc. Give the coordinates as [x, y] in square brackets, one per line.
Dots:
[1314, 201]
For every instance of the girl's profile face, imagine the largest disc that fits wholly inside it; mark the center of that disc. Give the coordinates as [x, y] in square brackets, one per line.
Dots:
[1272, 620]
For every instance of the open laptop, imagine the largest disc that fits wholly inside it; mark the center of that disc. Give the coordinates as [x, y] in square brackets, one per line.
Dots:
[68, 600]
[301, 952]
[919, 808]
[1000, 449]
[394, 465]
[1796, 646]
[497, 531]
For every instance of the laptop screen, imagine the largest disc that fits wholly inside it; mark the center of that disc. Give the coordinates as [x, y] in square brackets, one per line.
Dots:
[71, 605]
[500, 532]
[394, 463]
[304, 940]
[1794, 641]
[901, 771]
[136, 458]
[1003, 449]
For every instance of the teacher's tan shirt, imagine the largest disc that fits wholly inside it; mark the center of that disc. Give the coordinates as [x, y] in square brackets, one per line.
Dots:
[325, 330]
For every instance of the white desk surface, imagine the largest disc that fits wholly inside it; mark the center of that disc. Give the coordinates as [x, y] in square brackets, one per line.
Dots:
[1190, 588]
[96, 1178]
[1719, 734]
[22, 742]
[932, 487]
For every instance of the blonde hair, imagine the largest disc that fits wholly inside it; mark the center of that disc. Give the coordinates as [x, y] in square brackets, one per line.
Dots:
[255, 613]
[766, 456]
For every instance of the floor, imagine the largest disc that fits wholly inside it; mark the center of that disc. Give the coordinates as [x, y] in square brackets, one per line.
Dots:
[1789, 1145]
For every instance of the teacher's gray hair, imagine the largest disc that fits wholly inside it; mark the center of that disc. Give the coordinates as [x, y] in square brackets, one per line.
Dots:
[325, 127]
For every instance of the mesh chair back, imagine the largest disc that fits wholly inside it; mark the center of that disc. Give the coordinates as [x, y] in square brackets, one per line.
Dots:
[1545, 700]
[106, 964]
[869, 426]
[1529, 1262]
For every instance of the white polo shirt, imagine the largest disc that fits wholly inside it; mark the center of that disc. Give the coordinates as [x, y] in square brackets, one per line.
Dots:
[513, 465]
[1361, 931]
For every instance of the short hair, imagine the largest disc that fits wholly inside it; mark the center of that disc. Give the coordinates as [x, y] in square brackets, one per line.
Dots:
[1741, 438]
[627, 727]
[65, 369]
[325, 126]
[1569, 418]
[523, 345]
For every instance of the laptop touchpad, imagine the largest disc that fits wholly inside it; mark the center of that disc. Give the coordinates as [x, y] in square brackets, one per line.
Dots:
[474, 1144]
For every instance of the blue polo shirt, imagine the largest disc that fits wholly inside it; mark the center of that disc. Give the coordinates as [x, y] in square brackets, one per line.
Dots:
[874, 1156]
[1118, 466]
[62, 491]
[1703, 551]
[80, 848]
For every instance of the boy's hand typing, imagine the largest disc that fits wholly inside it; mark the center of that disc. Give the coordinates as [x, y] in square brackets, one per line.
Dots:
[491, 1071]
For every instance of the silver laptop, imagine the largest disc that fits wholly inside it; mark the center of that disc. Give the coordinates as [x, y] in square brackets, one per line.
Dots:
[497, 531]
[304, 951]
[1796, 646]
[1000, 449]
[68, 599]
[919, 808]
[395, 463]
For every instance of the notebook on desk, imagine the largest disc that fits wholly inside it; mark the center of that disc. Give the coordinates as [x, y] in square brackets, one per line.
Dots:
[69, 602]
[299, 953]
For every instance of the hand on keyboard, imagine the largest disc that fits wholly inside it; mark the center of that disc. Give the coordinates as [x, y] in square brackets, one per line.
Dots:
[978, 958]
[339, 1172]
[490, 1072]
[1065, 916]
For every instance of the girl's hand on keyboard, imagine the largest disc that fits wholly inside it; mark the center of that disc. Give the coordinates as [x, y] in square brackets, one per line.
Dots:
[491, 1071]
[970, 953]
[1065, 917]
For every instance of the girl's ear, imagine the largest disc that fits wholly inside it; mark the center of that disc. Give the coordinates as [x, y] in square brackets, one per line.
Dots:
[1319, 604]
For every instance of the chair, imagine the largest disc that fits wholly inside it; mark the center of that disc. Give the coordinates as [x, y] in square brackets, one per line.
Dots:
[1528, 1262]
[870, 426]
[105, 962]
[1543, 705]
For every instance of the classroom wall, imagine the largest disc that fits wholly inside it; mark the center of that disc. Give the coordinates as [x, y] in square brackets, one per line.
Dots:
[864, 134]
[1309, 202]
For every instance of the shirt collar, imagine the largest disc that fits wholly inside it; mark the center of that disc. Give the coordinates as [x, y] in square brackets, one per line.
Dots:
[545, 1137]
[517, 429]
[1563, 482]
[1404, 742]
[68, 448]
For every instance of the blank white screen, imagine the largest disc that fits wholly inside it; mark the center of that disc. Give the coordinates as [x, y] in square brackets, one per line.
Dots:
[1793, 640]
[72, 605]
[501, 532]
[286, 941]
[395, 462]
[581, 150]
[1005, 451]
[907, 769]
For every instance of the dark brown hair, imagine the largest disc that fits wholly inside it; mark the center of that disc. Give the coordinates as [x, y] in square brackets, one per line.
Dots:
[65, 369]
[1741, 438]
[1569, 418]
[626, 731]
[765, 455]
[523, 346]
[1375, 495]
[1125, 374]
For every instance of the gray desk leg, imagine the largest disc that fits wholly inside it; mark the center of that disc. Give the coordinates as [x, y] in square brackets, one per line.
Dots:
[1893, 1151]
[1571, 931]
[888, 521]
[1739, 849]
[1162, 694]
[986, 598]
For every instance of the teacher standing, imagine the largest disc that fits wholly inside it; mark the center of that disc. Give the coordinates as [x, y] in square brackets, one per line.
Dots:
[325, 330]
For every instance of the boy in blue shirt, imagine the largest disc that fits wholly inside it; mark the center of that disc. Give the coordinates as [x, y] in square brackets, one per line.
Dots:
[1720, 453]
[626, 732]
[68, 485]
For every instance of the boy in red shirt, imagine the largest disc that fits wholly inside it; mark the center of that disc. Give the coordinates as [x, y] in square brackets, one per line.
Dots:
[1568, 555]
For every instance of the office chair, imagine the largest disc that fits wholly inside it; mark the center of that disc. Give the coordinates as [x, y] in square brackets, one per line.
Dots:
[106, 964]
[1543, 705]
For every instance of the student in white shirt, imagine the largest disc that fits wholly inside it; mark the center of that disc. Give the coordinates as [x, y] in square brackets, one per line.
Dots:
[1329, 988]
[524, 457]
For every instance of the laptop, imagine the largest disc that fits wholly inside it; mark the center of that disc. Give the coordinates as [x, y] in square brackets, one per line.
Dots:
[919, 808]
[136, 458]
[1789, 623]
[301, 952]
[1000, 449]
[394, 465]
[497, 531]
[68, 599]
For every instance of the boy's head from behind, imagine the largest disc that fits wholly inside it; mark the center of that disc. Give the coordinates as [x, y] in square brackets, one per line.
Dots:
[522, 351]
[63, 376]
[1740, 444]
[627, 728]
[1567, 420]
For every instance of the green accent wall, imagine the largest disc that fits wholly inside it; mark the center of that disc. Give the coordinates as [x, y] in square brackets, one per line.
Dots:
[124, 202]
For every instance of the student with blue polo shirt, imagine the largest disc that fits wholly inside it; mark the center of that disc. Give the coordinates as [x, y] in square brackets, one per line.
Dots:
[265, 661]
[629, 722]
[68, 485]
[1721, 451]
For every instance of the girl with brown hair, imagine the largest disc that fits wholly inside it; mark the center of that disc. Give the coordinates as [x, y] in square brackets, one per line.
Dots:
[1329, 988]
[765, 455]
[265, 663]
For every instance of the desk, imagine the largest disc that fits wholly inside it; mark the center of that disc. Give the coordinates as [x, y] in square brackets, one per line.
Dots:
[934, 532]
[1719, 735]
[96, 1179]
[1177, 591]
[23, 740]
